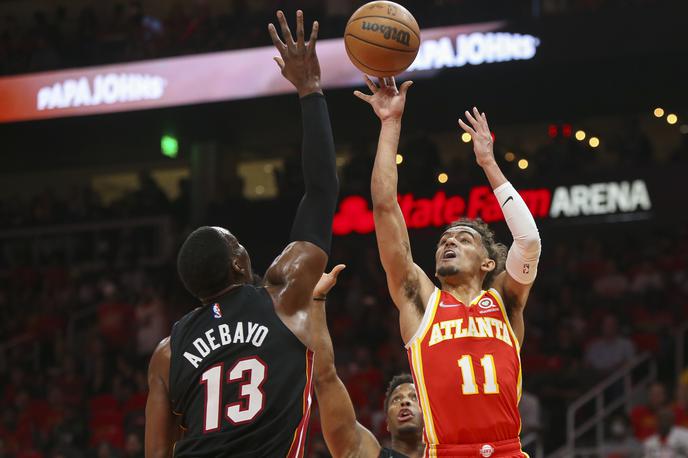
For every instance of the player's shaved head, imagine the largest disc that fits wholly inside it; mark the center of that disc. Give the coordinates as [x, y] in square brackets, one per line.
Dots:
[207, 261]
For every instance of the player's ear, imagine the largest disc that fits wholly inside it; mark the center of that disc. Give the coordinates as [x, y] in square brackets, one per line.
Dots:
[488, 265]
[237, 267]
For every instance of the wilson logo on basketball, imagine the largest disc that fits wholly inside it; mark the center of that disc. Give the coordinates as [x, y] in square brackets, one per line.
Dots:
[390, 33]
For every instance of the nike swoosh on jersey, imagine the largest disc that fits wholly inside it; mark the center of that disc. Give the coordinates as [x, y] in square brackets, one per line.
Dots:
[507, 200]
[446, 306]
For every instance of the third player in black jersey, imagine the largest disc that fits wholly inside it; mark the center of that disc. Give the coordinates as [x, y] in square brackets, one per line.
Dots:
[235, 373]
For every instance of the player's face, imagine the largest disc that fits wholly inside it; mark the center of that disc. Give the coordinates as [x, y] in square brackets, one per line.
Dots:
[403, 412]
[460, 249]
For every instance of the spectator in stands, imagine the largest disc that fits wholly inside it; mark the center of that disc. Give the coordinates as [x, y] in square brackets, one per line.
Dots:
[620, 442]
[645, 417]
[670, 441]
[529, 407]
[611, 350]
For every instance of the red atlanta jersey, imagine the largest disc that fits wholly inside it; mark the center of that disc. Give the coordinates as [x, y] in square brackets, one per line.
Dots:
[466, 365]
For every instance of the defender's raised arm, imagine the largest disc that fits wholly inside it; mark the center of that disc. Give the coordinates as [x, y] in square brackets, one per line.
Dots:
[295, 272]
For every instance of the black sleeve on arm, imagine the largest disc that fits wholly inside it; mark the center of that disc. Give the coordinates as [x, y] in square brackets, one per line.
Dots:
[313, 221]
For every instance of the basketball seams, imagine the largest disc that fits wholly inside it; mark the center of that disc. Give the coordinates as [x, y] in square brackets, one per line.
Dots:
[389, 18]
[391, 72]
[380, 46]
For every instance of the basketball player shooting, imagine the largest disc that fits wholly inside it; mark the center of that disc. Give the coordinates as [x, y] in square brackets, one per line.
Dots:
[344, 435]
[236, 373]
[463, 340]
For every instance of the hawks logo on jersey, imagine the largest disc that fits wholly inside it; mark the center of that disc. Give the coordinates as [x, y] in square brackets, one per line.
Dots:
[466, 364]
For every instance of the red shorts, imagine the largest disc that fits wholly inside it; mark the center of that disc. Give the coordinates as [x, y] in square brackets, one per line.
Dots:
[500, 449]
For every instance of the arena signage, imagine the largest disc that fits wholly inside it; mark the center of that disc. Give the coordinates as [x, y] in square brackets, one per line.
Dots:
[474, 49]
[233, 75]
[355, 215]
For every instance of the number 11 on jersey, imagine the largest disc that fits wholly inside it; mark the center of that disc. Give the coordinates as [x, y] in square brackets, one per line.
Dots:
[469, 385]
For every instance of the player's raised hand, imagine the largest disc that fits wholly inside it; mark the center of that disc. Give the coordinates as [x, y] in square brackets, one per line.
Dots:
[386, 100]
[481, 136]
[327, 281]
[298, 59]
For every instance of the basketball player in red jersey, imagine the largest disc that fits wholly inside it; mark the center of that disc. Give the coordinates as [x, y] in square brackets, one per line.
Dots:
[463, 340]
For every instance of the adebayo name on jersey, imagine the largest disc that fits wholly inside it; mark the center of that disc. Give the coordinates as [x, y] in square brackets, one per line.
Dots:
[224, 334]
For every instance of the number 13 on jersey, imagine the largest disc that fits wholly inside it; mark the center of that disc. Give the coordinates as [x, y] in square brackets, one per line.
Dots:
[469, 385]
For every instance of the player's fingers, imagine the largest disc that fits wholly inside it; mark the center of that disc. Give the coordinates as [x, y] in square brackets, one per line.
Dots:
[362, 96]
[372, 86]
[286, 33]
[336, 270]
[484, 116]
[466, 127]
[472, 120]
[280, 62]
[481, 121]
[281, 47]
[314, 36]
[405, 87]
[299, 29]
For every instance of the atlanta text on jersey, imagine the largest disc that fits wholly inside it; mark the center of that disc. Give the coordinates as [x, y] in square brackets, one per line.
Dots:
[475, 327]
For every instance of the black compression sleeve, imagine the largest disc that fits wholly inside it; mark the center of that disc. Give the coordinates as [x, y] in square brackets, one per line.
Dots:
[313, 221]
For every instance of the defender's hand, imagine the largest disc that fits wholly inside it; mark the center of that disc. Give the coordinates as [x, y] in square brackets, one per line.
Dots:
[481, 136]
[387, 101]
[327, 281]
[298, 60]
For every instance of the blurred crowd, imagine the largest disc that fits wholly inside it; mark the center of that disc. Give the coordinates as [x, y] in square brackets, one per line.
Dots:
[120, 31]
[73, 382]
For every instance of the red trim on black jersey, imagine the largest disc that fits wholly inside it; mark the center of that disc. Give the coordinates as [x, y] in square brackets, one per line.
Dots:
[297, 446]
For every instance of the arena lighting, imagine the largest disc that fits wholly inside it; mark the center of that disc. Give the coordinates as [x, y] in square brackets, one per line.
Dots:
[672, 119]
[659, 112]
[509, 156]
[566, 130]
[580, 135]
[465, 137]
[400, 158]
[442, 177]
[523, 164]
[594, 142]
[169, 146]
[552, 130]
[260, 190]
[590, 199]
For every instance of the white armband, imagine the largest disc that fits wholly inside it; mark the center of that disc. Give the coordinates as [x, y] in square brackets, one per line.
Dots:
[522, 260]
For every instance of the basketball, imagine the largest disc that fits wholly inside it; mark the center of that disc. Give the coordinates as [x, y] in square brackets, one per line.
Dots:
[382, 38]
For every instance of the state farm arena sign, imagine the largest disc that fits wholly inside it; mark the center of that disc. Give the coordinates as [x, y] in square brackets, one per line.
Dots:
[625, 197]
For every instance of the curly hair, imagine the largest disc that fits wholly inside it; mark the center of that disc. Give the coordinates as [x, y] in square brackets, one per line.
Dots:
[394, 383]
[495, 250]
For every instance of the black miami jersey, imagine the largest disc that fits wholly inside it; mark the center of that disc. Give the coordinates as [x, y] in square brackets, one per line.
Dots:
[240, 379]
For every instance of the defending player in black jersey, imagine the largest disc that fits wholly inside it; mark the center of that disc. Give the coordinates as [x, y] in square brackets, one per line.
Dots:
[346, 437]
[236, 372]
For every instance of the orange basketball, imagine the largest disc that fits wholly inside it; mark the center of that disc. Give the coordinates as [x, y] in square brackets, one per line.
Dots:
[382, 38]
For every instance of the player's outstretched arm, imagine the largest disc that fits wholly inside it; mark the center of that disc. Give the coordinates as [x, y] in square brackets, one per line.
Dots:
[344, 435]
[295, 272]
[408, 285]
[161, 426]
[521, 263]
